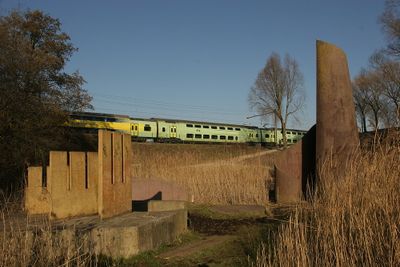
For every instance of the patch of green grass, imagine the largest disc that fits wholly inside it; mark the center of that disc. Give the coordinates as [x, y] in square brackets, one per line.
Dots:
[205, 210]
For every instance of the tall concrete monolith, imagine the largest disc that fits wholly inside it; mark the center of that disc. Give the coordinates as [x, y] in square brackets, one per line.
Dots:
[334, 136]
[337, 134]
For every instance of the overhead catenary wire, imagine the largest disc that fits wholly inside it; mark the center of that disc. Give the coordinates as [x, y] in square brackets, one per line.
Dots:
[147, 115]
[146, 108]
[161, 103]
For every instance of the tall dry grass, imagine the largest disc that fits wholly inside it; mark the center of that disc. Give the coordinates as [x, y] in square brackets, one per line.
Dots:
[353, 221]
[215, 174]
[27, 241]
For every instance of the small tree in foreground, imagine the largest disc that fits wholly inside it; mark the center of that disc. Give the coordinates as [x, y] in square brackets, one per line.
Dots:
[278, 92]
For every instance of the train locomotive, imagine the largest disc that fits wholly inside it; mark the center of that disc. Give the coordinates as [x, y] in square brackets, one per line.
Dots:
[167, 130]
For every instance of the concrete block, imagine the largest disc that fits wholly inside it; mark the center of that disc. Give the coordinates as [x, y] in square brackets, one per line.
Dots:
[126, 235]
[114, 191]
[166, 205]
[37, 198]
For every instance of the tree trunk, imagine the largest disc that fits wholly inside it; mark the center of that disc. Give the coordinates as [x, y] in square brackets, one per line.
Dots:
[284, 134]
[364, 123]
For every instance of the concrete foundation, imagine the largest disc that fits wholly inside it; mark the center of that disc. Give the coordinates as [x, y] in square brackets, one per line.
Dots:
[122, 236]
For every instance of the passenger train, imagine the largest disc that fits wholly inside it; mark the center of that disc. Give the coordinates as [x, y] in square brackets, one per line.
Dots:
[167, 130]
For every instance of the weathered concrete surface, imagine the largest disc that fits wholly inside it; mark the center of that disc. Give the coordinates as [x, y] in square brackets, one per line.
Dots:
[71, 181]
[121, 236]
[295, 169]
[37, 197]
[157, 189]
[115, 186]
[167, 205]
[337, 132]
[84, 183]
[71, 185]
[335, 135]
[127, 235]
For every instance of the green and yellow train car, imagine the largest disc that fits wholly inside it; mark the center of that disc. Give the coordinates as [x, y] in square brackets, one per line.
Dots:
[275, 136]
[166, 130]
[88, 120]
[203, 132]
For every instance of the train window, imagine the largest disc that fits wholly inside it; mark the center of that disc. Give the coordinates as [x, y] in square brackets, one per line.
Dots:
[221, 128]
[214, 136]
[135, 127]
[132, 127]
[206, 136]
[206, 126]
[213, 127]
[189, 135]
[189, 125]
[237, 129]
[197, 136]
[266, 135]
[236, 138]
[222, 137]
[110, 119]
[147, 128]
[163, 129]
[230, 137]
[230, 128]
[197, 126]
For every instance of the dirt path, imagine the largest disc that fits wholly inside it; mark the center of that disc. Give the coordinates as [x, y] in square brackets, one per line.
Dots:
[208, 242]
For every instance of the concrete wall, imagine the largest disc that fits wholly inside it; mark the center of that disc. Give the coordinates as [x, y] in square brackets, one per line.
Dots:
[71, 187]
[84, 183]
[153, 188]
[115, 189]
[37, 197]
[74, 183]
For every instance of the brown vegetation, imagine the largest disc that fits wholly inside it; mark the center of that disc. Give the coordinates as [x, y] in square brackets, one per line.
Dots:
[354, 221]
[351, 222]
[215, 174]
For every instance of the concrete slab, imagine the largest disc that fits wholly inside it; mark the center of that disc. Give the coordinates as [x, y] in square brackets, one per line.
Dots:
[167, 205]
[122, 236]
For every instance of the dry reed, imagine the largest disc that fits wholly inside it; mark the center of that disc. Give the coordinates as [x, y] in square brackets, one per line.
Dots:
[26, 241]
[353, 221]
[214, 174]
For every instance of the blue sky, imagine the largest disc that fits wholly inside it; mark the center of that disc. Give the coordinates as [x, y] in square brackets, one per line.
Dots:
[197, 60]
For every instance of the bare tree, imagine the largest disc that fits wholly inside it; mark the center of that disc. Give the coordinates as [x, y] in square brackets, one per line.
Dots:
[360, 101]
[368, 85]
[390, 20]
[388, 72]
[278, 92]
